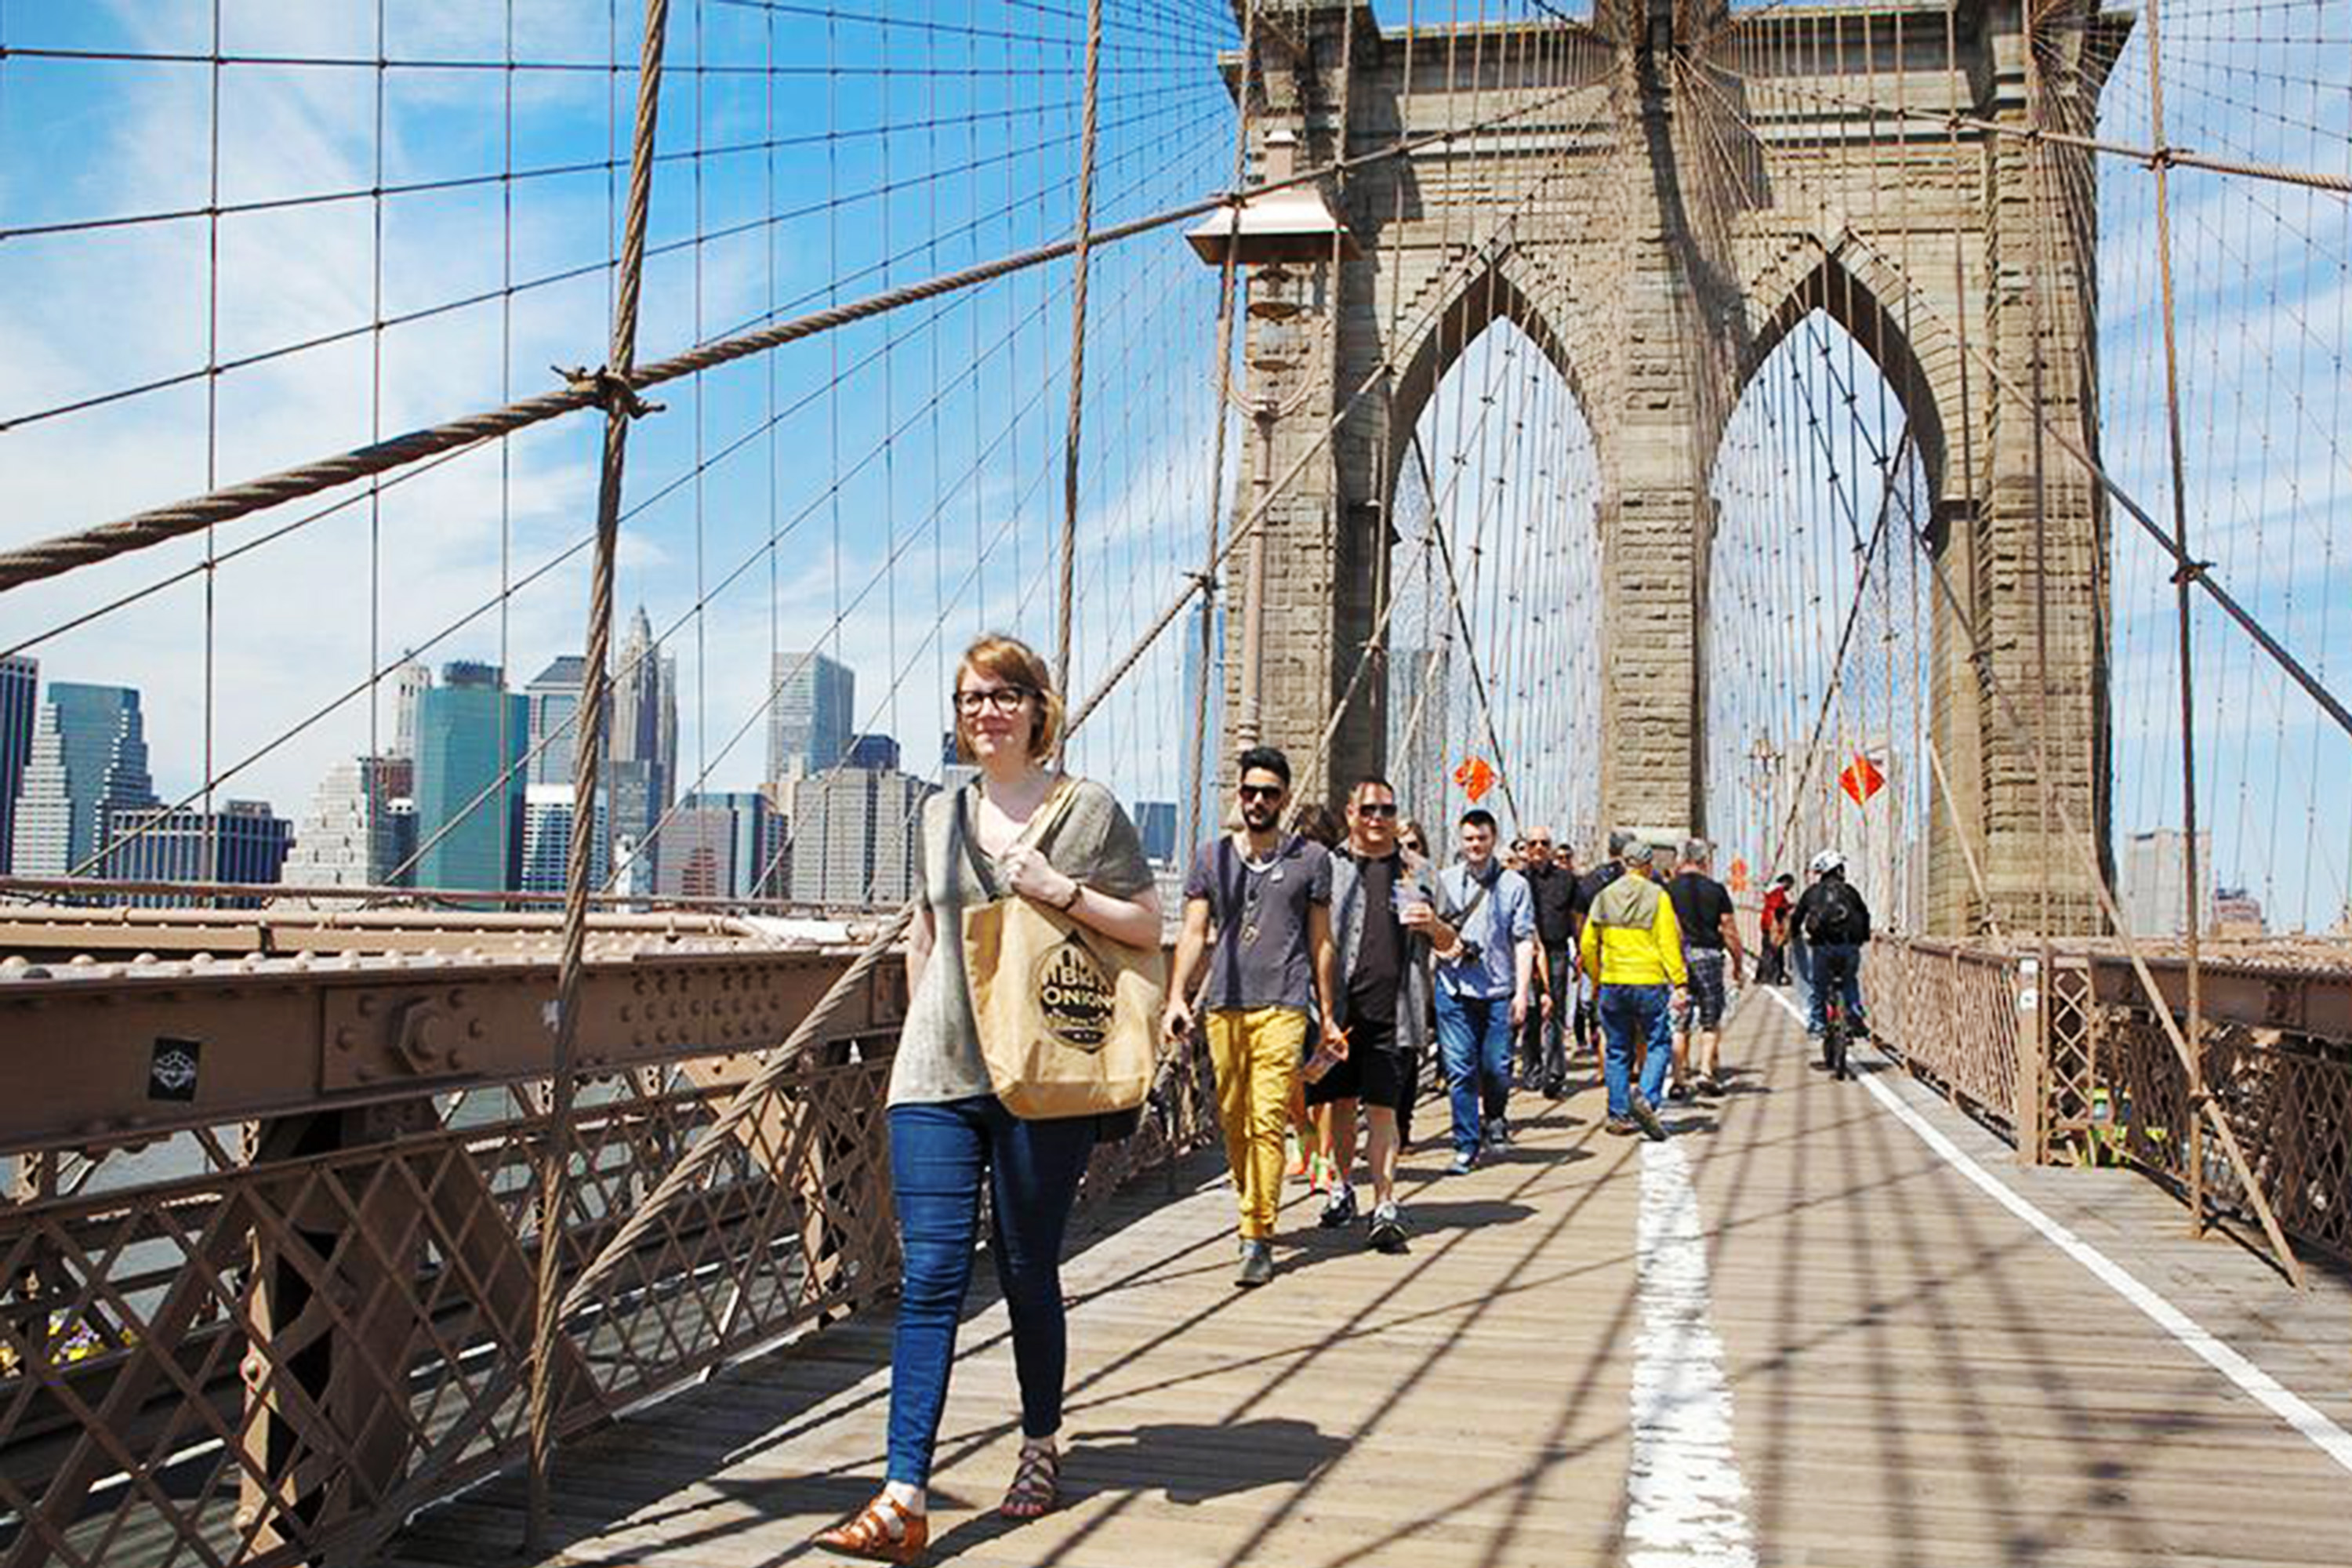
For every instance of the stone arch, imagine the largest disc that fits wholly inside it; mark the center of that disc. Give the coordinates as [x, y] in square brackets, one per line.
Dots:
[1512, 285]
[1858, 288]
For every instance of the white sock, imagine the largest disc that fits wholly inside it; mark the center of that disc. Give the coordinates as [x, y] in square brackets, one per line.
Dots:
[907, 1495]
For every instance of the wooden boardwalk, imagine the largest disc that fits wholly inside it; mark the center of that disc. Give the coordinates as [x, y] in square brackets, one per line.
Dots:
[1909, 1373]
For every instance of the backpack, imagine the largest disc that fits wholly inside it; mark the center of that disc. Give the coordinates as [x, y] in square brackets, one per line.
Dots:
[1836, 915]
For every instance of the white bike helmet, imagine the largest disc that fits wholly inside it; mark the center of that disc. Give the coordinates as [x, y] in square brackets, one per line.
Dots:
[1827, 861]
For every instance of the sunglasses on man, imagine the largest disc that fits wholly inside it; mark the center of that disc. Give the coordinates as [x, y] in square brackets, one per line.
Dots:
[1379, 808]
[1261, 792]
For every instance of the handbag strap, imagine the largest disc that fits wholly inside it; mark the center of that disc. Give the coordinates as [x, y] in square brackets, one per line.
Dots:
[1041, 822]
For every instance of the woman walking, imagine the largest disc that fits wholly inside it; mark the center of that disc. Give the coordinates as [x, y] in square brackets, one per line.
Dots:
[950, 1135]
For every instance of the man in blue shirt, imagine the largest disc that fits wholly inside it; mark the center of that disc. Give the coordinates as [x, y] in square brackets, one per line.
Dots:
[1483, 979]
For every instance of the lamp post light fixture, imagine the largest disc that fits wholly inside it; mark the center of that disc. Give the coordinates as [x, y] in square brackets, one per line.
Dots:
[1274, 232]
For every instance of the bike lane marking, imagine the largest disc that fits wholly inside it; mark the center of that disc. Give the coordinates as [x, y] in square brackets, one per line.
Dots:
[2311, 1423]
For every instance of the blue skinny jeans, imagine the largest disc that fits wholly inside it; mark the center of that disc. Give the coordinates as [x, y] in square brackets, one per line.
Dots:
[1631, 1013]
[1474, 1039]
[939, 1156]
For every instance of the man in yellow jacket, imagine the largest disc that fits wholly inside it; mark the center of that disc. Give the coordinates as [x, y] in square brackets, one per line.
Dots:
[1632, 948]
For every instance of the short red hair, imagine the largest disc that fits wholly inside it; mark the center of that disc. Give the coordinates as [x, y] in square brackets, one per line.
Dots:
[1014, 663]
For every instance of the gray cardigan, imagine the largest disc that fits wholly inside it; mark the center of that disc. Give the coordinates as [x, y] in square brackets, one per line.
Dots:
[1348, 936]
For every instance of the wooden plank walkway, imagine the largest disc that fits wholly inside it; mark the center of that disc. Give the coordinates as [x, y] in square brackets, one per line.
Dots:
[1913, 1376]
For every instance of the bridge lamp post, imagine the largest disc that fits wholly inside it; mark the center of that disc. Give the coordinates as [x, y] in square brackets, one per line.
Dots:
[1285, 226]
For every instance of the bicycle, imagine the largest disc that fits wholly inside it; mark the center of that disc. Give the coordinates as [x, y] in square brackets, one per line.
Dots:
[1837, 1035]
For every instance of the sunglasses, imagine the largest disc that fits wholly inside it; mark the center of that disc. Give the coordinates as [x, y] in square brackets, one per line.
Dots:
[1538, 843]
[1261, 792]
[1376, 808]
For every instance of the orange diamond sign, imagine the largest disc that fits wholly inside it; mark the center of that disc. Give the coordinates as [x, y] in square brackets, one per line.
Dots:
[1474, 776]
[1861, 779]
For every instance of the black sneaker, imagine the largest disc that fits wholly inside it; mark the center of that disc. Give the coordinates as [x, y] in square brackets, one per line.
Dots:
[1645, 1117]
[1555, 1088]
[1498, 1133]
[1710, 1086]
[1680, 1093]
[1340, 1209]
[1388, 1229]
[1257, 1264]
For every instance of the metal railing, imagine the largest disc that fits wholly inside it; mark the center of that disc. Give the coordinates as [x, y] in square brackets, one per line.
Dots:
[267, 1341]
[2063, 1052]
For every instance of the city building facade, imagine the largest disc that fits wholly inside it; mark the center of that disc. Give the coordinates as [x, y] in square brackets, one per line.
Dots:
[88, 760]
[810, 707]
[361, 828]
[470, 734]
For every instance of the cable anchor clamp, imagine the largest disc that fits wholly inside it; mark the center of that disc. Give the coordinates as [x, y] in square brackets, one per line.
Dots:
[2190, 571]
[608, 390]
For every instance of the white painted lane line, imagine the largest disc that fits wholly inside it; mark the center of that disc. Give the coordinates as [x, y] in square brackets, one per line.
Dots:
[2298, 1412]
[1685, 1491]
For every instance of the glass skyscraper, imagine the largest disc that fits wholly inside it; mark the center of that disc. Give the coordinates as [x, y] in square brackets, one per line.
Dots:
[554, 698]
[20, 676]
[810, 712]
[88, 759]
[469, 729]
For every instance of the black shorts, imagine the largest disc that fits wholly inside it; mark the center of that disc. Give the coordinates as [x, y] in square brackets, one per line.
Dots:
[1375, 1071]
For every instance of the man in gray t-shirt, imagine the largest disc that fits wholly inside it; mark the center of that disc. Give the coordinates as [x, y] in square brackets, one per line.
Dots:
[1266, 900]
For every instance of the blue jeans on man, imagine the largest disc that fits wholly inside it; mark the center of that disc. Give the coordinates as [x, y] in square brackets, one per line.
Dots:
[940, 1154]
[1473, 1040]
[1837, 964]
[1628, 1014]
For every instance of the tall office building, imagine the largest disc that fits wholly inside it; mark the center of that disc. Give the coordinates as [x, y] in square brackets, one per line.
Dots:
[872, 752]
[854, 837]
[810, 710]
[20, 678]
[410, 682]
[554, 699]
[954, 771]
[643, 772]
[723, 846]
[548, 810]
[470, 730]
[2150, 881]
[645, 703]
[89, 758]
[245, 841]
[361, 827]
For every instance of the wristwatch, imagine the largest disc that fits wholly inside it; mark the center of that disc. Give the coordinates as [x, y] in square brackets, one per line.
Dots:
[1076, 888]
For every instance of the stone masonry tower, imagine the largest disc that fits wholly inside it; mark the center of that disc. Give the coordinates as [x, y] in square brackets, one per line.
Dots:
[1616, 203]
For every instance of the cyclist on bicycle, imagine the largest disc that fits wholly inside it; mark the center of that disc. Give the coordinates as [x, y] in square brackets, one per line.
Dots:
[1835, 922]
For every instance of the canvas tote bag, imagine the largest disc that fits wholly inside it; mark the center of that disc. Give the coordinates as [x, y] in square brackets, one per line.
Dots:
[1069, 1020]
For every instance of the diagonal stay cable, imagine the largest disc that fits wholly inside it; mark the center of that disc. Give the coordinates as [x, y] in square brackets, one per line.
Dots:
[65, 552]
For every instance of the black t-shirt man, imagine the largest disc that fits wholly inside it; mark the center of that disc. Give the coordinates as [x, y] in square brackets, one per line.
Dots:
[1555, 898]
[1380, 950]
[1700, 903]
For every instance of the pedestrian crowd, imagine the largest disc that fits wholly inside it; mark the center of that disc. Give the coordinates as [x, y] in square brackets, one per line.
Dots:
[1325, 964]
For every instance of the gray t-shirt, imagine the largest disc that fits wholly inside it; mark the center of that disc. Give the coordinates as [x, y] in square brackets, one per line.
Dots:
[938, 1047]
[1261, 958]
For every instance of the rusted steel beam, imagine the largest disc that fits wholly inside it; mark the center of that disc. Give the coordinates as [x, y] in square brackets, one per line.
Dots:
[160, 1047]
[2304, 1001]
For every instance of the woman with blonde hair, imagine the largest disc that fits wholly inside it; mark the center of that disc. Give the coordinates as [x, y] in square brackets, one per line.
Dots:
[950, 1135]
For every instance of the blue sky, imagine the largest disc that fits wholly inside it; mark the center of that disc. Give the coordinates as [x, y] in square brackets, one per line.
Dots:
[888, 147]
[889, 151]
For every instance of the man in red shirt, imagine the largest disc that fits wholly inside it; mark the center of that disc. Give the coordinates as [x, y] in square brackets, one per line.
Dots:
[1772, 963]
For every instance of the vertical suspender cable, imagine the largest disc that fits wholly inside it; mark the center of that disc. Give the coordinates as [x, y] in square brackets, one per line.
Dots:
[620, 407]
[2191, 914]
[1083, 242]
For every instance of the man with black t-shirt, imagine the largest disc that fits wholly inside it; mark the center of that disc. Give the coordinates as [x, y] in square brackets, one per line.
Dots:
[1543, 1057]
[1383, 917]
[1710, 931]
[1607, 868]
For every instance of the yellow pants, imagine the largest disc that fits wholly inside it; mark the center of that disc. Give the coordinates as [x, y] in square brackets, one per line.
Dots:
[1256, 1052]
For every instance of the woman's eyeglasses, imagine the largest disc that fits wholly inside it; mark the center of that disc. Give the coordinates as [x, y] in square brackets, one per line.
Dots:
[1004, 698]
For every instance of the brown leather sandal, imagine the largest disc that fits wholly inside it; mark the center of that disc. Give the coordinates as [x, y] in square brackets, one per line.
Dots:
[896, 1536]
[1036, 1488]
